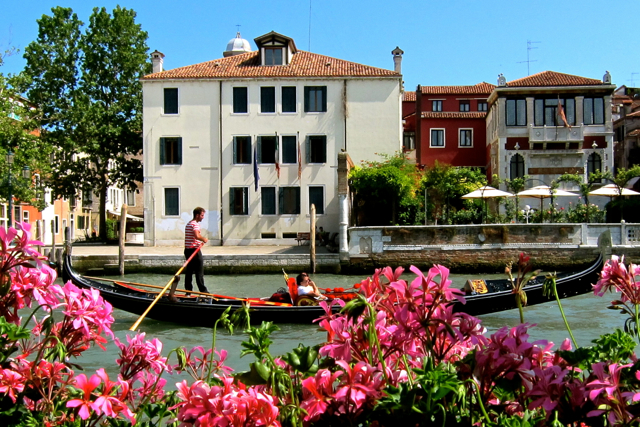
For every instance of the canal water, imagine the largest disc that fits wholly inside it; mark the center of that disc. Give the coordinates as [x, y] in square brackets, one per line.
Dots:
[587, 314]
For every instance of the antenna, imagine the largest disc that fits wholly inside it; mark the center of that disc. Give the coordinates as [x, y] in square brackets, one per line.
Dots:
[529, 61]
[632, 80]
[309, 26]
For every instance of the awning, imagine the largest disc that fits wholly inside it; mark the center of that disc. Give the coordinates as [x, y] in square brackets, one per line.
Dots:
[131, 218]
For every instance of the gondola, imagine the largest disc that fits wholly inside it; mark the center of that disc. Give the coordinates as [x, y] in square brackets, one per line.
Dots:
[483, 297]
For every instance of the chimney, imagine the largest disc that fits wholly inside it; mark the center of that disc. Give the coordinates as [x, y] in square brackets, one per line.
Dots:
[397, 59]
[156, 60]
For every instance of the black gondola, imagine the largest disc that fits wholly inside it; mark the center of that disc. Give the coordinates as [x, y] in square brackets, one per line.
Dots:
[204, 311]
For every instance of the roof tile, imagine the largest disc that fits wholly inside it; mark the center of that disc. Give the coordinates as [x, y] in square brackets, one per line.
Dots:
[478, 89]
[552, 78]
[247, 65]
[454, 115]
[409, 96]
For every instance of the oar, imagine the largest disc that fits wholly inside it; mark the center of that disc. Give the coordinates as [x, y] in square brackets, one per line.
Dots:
[135, 325]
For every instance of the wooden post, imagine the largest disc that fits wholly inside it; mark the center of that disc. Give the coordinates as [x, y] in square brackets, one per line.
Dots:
[312, 237]
[39, 234]
[123, 231]
[52, 254]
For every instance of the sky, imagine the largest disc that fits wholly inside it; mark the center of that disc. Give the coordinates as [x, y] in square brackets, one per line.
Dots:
[445, 42]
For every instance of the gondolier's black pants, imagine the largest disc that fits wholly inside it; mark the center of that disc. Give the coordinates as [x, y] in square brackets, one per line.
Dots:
[195, 266]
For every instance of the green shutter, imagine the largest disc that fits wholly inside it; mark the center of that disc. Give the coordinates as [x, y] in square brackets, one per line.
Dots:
[162, 151]
[306, 98]
[281, 200]
[297, 191]
[307, 146]
[259, 149]
[231, 200]
[324, 149]
[179, 151]
[324, 98]
[245, 201]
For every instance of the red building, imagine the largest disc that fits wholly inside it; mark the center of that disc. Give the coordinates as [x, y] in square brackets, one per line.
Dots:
[451, 128]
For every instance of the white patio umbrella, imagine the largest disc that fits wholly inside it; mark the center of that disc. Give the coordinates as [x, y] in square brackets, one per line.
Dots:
[544, 192]
[484, 193]
[612, 190]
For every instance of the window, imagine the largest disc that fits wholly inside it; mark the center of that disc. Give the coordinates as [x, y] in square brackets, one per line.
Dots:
[171, 201]
[317, 149]
[517, 167]
[482, 106]
[436, 105]
[289, 149]
[593, 111]
[289, 200]
[465, 106]
[437, 138]
[594, 164]
[25, 216]
[3, 216]
[268, 198]
[241, 150]
[465, 138]
[56, 225]
[272, 56]
[267, 148]
[171, 151]
[409, 141]
[289, 101]
[171, 100]
[315, 99]
[131, 197]
[316, 197]
[516, 112]
[267, 99]
[239, 200]
[82, 223]
[240, 100]
[87, 198]
[546, 111]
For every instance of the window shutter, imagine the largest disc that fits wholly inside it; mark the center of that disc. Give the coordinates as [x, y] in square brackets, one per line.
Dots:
[297, 200]
[281, 200]
[163, 160]
[259, 149]
[245, 201]
[324, 150]
[307, 147]
[306, 99]
[324, 98]
[179, 151]
[235, 150]
[231, 200]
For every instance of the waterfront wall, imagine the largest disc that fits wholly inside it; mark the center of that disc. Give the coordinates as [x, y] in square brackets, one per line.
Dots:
[487, 248]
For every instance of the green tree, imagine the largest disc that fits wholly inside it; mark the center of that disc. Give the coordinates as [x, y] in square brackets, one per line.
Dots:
[621, 179]
[89, 99]
[515, 186]
[385, 192]
[445, 185]
[584, 188]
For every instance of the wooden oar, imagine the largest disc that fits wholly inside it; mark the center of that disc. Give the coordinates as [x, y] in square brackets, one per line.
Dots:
[177, 275]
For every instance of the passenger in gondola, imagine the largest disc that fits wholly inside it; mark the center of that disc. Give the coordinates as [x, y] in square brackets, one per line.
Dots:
[306, 286]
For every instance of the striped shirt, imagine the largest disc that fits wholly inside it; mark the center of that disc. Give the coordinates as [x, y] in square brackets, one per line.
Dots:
[190, 234]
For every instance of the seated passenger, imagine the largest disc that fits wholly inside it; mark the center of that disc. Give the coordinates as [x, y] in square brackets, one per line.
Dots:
[307, 287]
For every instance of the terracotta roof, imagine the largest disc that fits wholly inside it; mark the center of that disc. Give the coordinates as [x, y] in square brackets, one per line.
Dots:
[454, 115]
[478, 89]
[551, 78]
[247, 65]
[634, 114]
[409, 96]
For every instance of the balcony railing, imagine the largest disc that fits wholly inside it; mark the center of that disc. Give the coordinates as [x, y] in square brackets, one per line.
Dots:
[555, 134]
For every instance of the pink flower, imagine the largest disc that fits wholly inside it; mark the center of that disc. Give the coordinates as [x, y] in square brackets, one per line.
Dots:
[87, 387]
[11, 383]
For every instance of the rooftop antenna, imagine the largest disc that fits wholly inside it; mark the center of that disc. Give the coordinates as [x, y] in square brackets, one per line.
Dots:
[238, 28]
[309, 25]
[632, 80]
[529, 61]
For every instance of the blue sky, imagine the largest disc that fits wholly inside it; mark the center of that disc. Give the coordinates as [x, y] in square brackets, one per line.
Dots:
[446, 42]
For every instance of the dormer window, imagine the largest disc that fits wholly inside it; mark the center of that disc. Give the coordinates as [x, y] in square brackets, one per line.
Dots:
[275, 49]
[273, 56]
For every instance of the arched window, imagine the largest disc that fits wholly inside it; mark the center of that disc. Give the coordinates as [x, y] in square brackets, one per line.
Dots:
[517, 167]
[594, 164]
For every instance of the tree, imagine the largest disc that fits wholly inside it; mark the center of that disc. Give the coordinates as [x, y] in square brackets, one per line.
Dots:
[17, 137]
[445, 185]
[584, 187]
[515, 186]
[89, 99]
[385, 192]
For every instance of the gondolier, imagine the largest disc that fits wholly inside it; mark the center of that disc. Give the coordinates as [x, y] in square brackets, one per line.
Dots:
[192, 241]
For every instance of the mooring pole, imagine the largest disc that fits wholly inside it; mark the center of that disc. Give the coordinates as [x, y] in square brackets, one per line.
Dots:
[312, 237]
[123, 230]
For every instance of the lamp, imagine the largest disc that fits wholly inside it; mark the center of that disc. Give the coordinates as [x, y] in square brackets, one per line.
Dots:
[594, 145]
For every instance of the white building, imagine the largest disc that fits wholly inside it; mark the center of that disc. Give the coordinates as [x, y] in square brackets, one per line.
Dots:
[282, 112]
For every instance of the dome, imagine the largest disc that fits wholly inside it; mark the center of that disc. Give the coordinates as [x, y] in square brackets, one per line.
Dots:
[237, 45]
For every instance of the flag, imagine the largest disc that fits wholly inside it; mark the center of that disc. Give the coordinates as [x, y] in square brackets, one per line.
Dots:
[299, 158]
[561, 114]
[256, 175]
[277, 155]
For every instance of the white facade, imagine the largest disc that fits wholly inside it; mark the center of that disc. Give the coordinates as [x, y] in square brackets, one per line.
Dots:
[216, 164]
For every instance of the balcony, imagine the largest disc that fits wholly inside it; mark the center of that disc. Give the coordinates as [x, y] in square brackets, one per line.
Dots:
[556, 135]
